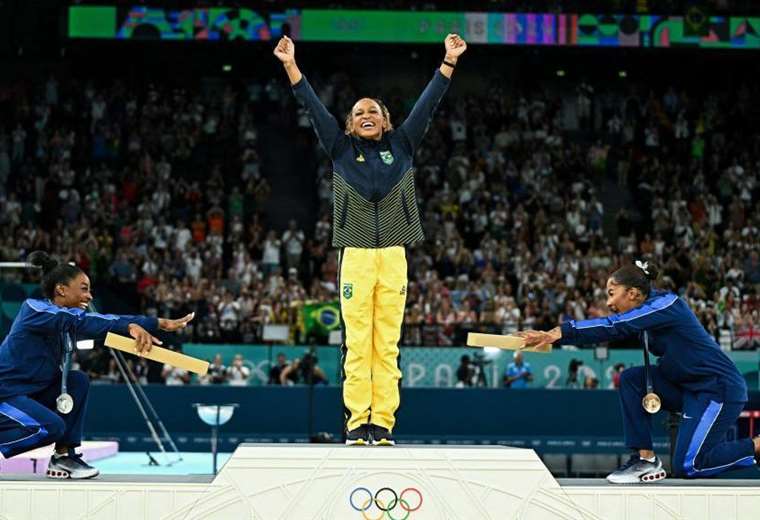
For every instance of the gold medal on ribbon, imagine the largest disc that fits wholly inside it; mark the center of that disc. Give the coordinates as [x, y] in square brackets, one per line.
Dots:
[651, 402]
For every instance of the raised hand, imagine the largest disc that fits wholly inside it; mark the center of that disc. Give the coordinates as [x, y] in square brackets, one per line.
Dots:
[285, 50]
[455, 46]
[174, 325]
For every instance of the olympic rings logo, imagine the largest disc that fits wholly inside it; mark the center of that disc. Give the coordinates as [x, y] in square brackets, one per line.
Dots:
[386, 500]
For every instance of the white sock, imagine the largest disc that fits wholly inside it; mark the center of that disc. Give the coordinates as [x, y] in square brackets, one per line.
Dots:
[650, 459]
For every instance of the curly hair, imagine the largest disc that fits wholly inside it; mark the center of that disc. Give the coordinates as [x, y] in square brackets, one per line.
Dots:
[386, 115]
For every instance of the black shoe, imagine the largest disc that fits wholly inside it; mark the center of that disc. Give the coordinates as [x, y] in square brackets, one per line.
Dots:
[382, 436]
[70, 466]
[358, 436]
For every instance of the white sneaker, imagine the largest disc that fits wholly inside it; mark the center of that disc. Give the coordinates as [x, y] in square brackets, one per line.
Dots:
[638, 470]
[70, 466]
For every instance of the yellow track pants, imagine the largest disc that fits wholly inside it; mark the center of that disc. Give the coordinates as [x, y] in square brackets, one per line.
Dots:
[372, 299]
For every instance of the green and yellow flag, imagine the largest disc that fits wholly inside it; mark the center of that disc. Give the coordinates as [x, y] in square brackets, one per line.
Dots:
[321, 318]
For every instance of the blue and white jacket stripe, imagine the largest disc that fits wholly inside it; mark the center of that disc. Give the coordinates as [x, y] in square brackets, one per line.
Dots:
[688, 355]
[31, 353]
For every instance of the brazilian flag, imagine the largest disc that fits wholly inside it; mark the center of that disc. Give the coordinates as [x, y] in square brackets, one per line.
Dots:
[321, 318]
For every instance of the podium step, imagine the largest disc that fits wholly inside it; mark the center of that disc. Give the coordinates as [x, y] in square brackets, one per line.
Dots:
[329, 482]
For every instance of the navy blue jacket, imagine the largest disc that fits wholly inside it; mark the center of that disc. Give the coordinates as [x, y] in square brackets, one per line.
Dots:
[31, 354]
[373, 181]
[688, 356]
[370, 176]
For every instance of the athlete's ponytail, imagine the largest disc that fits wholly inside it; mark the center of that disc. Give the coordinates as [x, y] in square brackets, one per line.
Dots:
[53, 272]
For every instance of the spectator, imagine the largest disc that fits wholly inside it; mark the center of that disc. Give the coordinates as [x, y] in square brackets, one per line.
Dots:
[572, 373]
[518, 373]
[123, 270]
[229, 317]
[270, 259]
[293, 239]
[237, 373]
[174, 376]
[276, 371]
[217, 372]
[304, 370]
[465, 372]
[617, 370]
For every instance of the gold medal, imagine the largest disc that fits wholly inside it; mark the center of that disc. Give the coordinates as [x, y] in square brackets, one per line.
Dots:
[651, 402]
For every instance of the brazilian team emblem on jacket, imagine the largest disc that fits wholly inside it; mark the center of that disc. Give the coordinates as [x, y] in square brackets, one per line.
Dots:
[387, 157]
[348, 290]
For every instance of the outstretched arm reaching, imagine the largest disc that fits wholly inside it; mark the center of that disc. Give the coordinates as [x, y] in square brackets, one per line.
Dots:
[652, 314]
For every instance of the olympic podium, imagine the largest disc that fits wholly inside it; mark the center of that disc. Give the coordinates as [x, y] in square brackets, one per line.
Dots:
[328, 482]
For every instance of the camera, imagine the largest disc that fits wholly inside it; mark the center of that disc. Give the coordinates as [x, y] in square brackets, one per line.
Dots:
[479, 360]
[479, 363]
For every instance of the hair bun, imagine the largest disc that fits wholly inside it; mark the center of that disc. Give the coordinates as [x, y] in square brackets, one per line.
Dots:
[649, 270]
[43, 260]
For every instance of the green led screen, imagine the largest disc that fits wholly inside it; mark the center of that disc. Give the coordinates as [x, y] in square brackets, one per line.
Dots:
[545, 29]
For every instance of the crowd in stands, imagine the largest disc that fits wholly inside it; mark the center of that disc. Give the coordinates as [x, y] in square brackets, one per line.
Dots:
[529, 199]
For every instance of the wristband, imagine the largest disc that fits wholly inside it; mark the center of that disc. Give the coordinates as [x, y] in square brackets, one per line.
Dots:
[449, 64]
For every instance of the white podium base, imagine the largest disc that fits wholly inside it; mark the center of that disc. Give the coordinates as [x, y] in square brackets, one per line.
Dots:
[329, 482]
